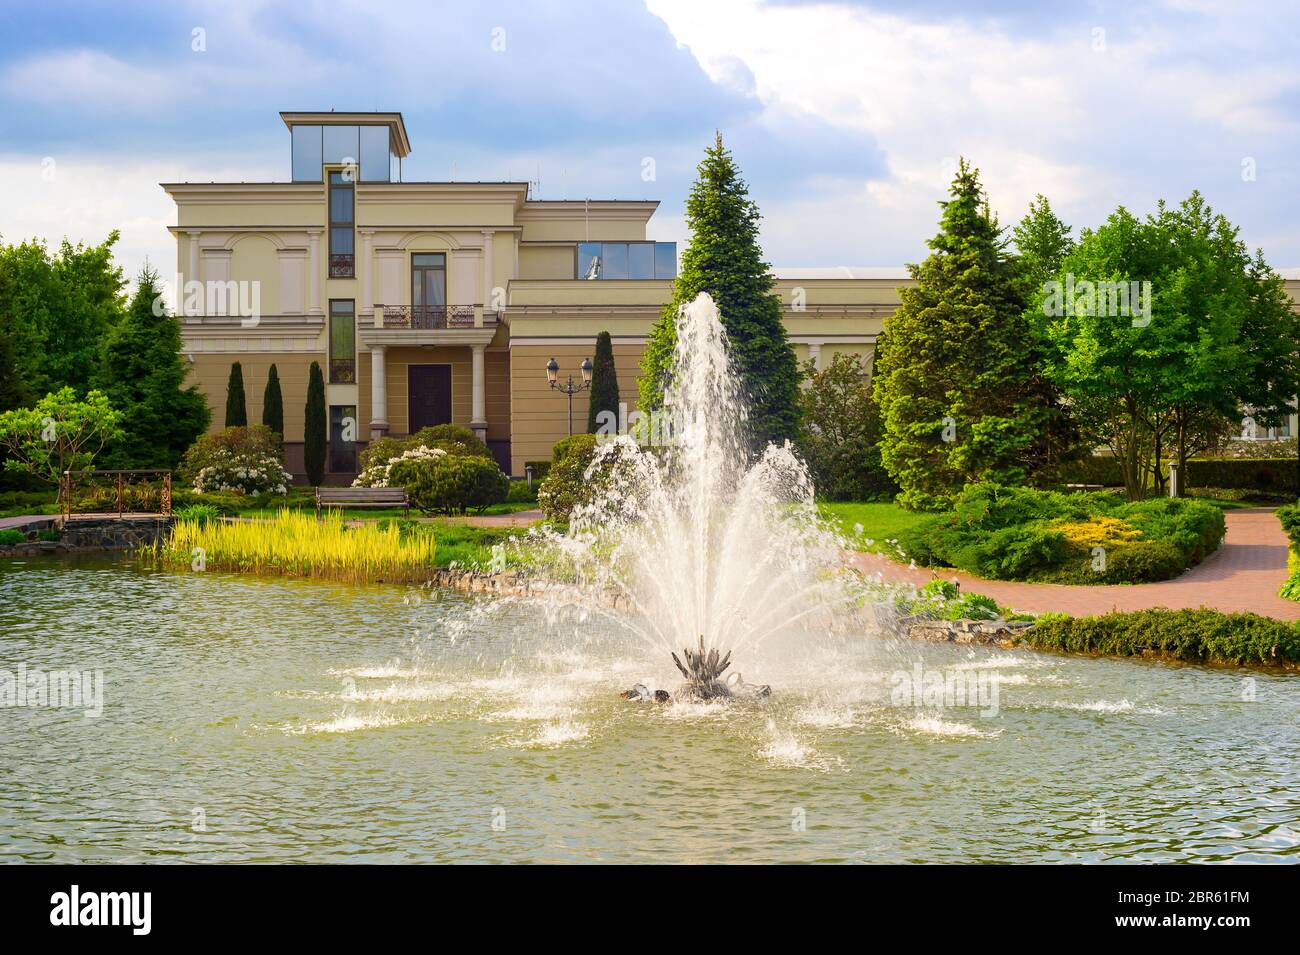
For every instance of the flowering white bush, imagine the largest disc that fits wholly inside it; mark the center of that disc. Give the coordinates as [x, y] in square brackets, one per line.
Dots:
[377, 474]
[255, 472]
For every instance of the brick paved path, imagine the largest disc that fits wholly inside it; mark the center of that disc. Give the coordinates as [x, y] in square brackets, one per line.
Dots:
[1243, 574]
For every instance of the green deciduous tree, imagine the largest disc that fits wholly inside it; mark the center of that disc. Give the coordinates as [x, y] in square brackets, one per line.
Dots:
[273, 403]
[723, 258]
[955, 375]
[143, 375]
[314, 425]
[1213, 337]
[59, 308]
[236, 403]
[604, 382]
[61, 432]
[841, 432]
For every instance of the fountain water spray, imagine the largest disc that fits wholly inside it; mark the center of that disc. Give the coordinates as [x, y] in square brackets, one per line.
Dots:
[709, 546]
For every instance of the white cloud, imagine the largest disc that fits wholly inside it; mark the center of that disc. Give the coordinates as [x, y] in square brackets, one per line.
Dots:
[90, 79]
[83, 198]
[1152, 113]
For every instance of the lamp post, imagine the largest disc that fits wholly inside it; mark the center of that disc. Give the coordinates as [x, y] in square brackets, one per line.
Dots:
[570, 387]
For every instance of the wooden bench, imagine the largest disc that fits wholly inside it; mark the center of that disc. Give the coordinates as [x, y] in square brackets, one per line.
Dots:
[362, 497]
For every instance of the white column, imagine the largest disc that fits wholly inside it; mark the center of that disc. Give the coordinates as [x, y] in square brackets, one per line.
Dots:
[815, 354]
[478, 418]
[367, 282]
[488, 243]
[314, 276]
[193, 273]
[378, 393]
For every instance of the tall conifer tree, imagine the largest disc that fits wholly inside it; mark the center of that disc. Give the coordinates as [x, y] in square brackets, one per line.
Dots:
[143, 374]
[313, 439]
[273, 403]
[236, 404]
[723, 258]
[604, 382]
[955, 378]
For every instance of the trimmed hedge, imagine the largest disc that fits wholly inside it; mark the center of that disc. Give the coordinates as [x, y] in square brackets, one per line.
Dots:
[1008, 533]
[1289, 516]
[1253, 474]
[1198, 636]
[451, 483]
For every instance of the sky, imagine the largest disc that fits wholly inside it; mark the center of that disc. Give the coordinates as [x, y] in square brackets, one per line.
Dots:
[846, 118]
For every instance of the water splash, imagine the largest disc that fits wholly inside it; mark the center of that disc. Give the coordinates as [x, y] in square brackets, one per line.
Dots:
[708, 545]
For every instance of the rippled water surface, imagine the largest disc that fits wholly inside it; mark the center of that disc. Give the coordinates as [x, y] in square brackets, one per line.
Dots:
[299, 721]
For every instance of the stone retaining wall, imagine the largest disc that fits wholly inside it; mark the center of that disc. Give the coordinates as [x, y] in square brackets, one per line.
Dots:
[992, 633]
[87, 536]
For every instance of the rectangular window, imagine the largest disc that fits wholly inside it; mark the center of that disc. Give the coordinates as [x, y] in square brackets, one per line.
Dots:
[665, 260]
[588, 260]
[343, 342]
[343, 439]
[640, 260]
[342, 259]
[341, 145]
[306, 154]
[428, 290]
[614, 260]
[626, 260]
[375, 154]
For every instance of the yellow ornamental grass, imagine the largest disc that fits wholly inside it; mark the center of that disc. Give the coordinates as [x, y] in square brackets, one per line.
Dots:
[297, 544]
[1098, 532]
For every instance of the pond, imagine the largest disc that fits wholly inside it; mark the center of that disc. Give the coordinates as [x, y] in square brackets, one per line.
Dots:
[267, 720]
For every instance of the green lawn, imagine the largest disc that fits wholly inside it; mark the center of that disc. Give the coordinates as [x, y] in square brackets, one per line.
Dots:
[883, 521]
[880, 522]
[463, 544]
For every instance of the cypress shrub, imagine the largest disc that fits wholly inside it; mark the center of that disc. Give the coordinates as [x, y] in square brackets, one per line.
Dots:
[314, 425]
[604, 382]
[273, 403]
[236, 405]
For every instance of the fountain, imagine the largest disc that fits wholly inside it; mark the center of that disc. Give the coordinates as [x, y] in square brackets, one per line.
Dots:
[712, 547]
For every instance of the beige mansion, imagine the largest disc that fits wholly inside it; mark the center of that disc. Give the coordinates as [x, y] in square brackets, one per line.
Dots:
[433, 302]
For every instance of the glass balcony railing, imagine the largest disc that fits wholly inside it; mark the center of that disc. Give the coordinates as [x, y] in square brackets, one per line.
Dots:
[608, 261]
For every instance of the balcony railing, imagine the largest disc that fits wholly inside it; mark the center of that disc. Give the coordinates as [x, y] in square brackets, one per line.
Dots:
[341, 265]
[435, 316]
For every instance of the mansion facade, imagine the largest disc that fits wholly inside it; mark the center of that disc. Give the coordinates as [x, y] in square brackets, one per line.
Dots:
[434, 302]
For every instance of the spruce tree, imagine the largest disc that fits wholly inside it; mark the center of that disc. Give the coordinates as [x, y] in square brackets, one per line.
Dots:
[1043, 241]
[143, 374]
[313, 438]
[236, 405]
[723, 258]
[604, 382]
[273, 404]
[955, 374]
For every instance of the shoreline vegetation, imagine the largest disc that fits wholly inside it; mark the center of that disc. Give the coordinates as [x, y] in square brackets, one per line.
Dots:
[298, 545]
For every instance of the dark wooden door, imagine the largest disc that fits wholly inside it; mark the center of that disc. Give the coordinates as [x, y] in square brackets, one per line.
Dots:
[428, 396]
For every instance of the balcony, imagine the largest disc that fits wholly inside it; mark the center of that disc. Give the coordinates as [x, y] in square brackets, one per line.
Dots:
[431, 317]
[342, 265]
